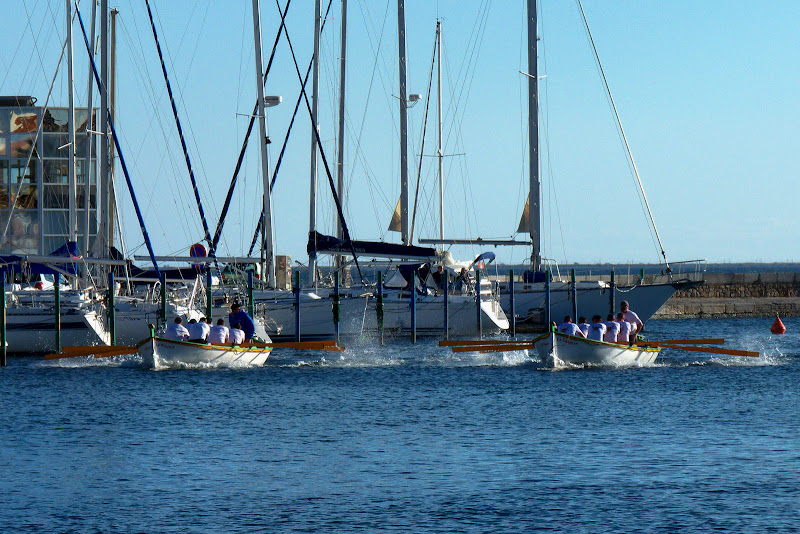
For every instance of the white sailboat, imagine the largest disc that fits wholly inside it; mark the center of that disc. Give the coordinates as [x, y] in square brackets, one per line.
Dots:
[594, 297]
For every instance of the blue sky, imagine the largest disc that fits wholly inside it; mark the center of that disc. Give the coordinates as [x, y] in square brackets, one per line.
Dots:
[705, 92]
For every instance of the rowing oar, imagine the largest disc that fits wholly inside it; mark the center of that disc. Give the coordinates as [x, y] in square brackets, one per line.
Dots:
[464, 342]
[100, 351]
[485, 349]
[301, 345]
[713, 341]
[711, 350]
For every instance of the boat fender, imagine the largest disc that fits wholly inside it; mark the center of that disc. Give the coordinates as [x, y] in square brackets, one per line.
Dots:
[777, 326]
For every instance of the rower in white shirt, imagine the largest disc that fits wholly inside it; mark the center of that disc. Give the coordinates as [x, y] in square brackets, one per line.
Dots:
[176, 331]
[570, 328]
[198, 332]
[632, 318]
[612, 329]
[624, 329]
[236, 336]
[597, 329]
[584, 326]
[219, 334]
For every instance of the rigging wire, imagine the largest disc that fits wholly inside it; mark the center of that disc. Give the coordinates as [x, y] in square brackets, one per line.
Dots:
[622, 132]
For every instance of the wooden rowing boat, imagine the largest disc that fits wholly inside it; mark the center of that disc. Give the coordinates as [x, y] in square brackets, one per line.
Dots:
[557, 349]
[159, 352]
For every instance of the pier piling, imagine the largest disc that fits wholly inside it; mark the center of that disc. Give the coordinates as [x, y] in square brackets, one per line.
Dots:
[112, 329]
[57, 308]
[336, 304]
[379, 306]
[513, 318]
[445, 285]
[296, 291]
[4, 350]
[478, 300]
[414, 307]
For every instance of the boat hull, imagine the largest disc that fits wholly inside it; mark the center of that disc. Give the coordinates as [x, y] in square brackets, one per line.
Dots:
[529, 300]
[556, 349]
[159, 352]
[358, 315]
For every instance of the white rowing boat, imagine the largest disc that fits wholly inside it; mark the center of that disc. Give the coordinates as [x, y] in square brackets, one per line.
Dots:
[159, 352]
[557, 349]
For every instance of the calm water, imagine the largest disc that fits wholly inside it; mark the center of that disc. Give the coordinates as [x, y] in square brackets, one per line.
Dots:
[412, 439]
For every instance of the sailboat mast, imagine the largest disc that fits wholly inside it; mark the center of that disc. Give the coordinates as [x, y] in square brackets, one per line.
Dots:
[401, 38]
[533, 140]
[73, 189]
[312, 219]
[87, 173]
[102, 181]
[267, 248]
[112, 111]
[439, 153]
[340, 155]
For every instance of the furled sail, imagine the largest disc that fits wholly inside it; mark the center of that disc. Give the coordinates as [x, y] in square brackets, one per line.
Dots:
[395, 225]
[524, 221]
[375, 249]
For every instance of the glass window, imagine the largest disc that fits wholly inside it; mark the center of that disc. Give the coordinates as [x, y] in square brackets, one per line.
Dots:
[21, 144]
[55, 197]
[81, 116]
[56, 171]
[3, 146]
[82, 224]
[55, 145]
[23, 120]
[23, 232]
[4, 200]
[3, 171]
[80, 166]
[56, 222]
[19, 173]
[5, 121]
[82, 195]
[28, 196]
[51, 244]
[55, 120]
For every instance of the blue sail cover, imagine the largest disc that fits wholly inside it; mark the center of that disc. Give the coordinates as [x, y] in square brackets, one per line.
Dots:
[482, 260]
[375, 249]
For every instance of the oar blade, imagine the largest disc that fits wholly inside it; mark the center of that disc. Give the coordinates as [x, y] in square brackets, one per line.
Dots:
[98, 351]
[713, 350]
[485, 349]
[710, 341]
[471, 342]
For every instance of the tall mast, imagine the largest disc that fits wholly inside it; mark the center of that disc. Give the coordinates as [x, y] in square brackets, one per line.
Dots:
[267, 248]
[102, 179]
[401, 41]
[87, 172]
[112, 108]
[533, 140]
[312, 219]
[340, 155]
[439, 153]
[73, 189]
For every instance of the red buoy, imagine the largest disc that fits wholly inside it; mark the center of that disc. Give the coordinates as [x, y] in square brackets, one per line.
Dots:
[777, 326]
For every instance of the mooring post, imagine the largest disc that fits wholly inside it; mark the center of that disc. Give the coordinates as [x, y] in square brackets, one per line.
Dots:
[611, 303]
[251, 306]
[513, 318]
[445, 285]
[163, 299]
[112, 328]
[547, 300]
[296, 291]
[336, 304]
[209, 297]
[379, 306]
[574, 290]
[478, 300]
[4, 359]
[414, 307]
[57, 308]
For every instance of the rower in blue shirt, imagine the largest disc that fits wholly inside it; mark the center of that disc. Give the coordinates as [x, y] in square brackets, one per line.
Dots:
[240, 316]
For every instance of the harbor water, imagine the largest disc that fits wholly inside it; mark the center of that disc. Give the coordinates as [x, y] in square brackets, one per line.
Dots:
[410, 438]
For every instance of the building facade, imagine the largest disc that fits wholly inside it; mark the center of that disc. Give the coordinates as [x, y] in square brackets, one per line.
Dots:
[34, 177]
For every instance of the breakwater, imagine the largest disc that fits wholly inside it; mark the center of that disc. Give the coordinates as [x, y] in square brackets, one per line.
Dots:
[737, 295]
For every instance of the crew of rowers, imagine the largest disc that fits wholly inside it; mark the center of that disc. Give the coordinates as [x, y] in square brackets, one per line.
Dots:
[241, 330]
[622, 328]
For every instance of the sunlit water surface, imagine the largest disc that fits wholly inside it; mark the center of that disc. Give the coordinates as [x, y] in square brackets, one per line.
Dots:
[409, 438]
